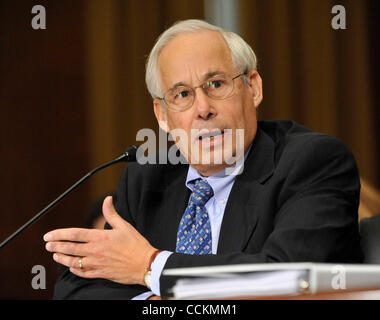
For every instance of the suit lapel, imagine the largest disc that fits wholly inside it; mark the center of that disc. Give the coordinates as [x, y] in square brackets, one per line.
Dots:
[176, 198]
[242, 210]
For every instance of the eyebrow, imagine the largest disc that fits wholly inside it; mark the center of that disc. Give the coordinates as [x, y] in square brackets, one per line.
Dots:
[213, 73]
[205, 77]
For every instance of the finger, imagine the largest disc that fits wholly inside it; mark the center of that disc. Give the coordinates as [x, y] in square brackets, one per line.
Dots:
[70, 234]
[110, 213]
[84, 273]
[73, 262]
[67, 248]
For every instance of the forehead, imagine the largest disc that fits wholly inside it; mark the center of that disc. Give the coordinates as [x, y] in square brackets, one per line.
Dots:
[189, 57]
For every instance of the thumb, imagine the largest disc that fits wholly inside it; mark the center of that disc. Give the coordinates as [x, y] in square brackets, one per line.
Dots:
[110, 213]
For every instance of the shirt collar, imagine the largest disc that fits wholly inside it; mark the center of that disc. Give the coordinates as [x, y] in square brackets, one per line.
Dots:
[221, 183]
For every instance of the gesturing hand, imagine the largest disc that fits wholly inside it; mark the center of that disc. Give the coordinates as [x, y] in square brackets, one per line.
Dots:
[120, 255]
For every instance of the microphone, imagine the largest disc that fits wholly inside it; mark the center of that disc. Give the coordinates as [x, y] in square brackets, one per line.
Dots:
[128, 155]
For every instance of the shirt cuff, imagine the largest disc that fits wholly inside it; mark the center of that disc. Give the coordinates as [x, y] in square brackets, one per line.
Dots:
[157, 267]
[143, 296]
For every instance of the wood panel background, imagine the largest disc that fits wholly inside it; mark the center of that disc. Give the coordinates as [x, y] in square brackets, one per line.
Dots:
[73, 96]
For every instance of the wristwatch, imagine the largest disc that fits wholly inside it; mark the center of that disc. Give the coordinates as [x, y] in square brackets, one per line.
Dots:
[147, 276]
[148, 272]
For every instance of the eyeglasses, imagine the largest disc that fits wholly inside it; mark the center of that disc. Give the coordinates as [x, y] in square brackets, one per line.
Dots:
[217, 87]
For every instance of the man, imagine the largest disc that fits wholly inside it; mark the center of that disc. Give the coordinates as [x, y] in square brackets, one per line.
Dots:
[295, 200]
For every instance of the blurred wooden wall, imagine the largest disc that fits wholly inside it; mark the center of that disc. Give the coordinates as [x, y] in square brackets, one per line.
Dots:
[73, 96]
[44, 145]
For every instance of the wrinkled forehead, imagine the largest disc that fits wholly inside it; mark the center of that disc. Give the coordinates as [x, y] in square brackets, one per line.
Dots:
[190, 57]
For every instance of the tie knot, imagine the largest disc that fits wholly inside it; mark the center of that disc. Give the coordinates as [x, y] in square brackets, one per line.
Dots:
[202, 192]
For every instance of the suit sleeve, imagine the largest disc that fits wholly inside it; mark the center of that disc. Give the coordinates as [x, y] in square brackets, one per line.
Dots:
[70, 286]
[316, 216]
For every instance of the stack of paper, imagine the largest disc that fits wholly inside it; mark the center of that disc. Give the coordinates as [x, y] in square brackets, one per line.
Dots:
[252, 284]
[272, 279]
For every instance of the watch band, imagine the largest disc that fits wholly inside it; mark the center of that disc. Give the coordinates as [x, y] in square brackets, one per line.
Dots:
[147, 273]
[154, 255]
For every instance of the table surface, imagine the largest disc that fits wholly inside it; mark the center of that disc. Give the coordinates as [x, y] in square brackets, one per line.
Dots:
[363, 294]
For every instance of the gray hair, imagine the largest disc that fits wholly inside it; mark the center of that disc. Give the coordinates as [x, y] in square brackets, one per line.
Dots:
[243, 57]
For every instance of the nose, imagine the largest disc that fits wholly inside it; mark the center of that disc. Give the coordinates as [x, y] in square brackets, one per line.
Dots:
[205, 110]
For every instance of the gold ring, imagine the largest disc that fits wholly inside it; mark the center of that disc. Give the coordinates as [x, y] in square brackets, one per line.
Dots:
[80, 262]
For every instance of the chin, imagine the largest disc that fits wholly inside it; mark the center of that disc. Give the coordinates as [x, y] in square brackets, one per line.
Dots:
[209, 169]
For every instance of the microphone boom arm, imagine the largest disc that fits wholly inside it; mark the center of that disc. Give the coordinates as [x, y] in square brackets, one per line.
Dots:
[128, 155]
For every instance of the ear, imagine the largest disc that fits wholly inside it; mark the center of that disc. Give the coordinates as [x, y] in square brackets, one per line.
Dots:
[160, 114]
[256, 84]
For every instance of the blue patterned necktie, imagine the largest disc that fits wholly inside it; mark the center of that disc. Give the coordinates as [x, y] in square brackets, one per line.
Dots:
[194, 232]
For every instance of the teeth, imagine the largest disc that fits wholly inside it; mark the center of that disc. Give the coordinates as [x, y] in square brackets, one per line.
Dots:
[210, 136]
[207, 139]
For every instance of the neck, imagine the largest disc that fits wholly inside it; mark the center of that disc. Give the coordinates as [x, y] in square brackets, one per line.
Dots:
[207, 171]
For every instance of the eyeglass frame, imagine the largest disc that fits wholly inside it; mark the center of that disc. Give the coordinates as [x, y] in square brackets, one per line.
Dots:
[204, 91]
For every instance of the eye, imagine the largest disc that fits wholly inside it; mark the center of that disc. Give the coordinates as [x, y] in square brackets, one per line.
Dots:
[178, 94]
[215, 83]
[182, 94]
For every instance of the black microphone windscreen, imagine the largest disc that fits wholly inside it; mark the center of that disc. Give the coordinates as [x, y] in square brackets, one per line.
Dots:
[130, 154]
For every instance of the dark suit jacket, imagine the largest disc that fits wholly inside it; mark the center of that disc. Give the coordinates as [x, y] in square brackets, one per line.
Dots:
[296, 201]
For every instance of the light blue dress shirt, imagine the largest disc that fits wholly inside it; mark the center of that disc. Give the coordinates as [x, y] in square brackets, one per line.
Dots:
[221, 184]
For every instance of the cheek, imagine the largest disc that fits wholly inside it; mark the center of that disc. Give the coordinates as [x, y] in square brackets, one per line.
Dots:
[244, 110]
[233, 113]
[180, 127]
[179, 120]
